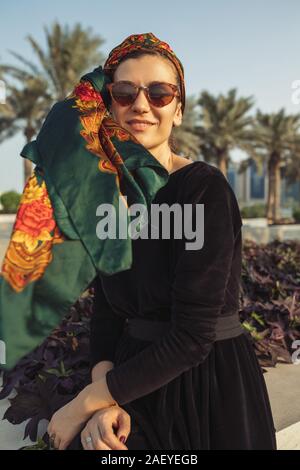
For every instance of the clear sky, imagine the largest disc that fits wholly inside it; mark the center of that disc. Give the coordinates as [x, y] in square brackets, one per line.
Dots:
[252, 45]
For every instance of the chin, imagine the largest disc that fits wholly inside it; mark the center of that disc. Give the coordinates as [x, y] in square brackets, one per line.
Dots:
[142, 138]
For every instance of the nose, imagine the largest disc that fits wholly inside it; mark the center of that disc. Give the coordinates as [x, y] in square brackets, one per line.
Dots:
[141, 103]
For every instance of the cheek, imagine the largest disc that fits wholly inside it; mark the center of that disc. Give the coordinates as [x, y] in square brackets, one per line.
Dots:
[166, 119]
[117, 111]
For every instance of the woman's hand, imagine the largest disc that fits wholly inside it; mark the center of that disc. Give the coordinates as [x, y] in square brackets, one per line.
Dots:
[99, 430]
[69, 419]
[65, 424]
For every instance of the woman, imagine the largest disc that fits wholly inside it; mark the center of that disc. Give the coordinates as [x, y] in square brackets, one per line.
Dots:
[167, 347]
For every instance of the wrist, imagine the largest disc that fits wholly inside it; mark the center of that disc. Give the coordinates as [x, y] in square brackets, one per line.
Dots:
[95, 396]
[99, 370]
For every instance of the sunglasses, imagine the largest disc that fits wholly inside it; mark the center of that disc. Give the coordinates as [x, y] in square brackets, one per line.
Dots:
[159, 94]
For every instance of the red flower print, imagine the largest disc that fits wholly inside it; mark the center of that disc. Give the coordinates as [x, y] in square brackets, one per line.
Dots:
[85, 92]
[34, 219]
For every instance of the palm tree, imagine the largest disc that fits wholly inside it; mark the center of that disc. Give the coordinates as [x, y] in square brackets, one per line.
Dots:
[187, 141]
[69, 54]
[225, 125]
[276, 139]
[291, 171]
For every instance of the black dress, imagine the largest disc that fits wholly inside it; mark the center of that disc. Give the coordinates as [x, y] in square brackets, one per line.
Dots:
[184, 390]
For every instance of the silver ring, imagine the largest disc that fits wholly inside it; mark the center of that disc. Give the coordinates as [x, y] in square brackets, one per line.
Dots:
[88, 439]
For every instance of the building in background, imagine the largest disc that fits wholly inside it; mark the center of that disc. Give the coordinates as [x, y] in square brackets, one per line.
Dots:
[252, 188]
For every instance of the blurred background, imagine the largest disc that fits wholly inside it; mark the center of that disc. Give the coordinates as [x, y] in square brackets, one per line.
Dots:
[242, 73]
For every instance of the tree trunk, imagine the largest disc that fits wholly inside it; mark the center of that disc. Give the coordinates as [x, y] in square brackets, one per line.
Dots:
[27, 168]
[277, 199]
[223, 162]
[270, 200]
[273, 202]
[27, 164]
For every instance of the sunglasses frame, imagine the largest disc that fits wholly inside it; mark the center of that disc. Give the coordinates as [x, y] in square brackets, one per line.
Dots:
[174, 88]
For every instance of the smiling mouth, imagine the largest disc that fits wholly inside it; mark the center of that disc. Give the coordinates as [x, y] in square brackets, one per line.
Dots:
[140, 126]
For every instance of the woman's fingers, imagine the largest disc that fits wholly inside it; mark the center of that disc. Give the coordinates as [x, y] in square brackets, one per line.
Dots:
[107, 434]
[87, 444]
[124, 425]
[99, 442]
[91, 439]
[106, 423]
[99, 433]
[57, 441]
[85, 437]
[63, 427]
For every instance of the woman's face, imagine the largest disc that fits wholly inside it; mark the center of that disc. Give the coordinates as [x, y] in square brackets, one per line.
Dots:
[142, 71]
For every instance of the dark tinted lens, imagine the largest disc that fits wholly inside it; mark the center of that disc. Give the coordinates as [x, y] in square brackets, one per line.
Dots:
[160, 94]
[124, 93]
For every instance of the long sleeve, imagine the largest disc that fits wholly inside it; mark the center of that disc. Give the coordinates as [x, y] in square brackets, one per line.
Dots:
[105, 328]
[198, 293]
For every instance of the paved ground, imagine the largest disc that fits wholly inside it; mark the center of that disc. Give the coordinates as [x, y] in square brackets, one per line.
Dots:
[283, 383]
[289, 438]
[6, 224]
[3, 245]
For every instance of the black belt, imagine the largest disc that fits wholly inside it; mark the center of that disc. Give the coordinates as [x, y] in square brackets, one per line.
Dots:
[227, 327]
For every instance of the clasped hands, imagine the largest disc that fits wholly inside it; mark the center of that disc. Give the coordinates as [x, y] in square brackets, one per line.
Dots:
[95, 407]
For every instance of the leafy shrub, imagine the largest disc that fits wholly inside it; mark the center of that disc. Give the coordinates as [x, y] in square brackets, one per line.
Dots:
[296, 214]
[270, 298]
[256, 210]
[10, 202]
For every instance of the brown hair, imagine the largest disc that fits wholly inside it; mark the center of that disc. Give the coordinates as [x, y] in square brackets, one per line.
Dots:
[138, 53]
